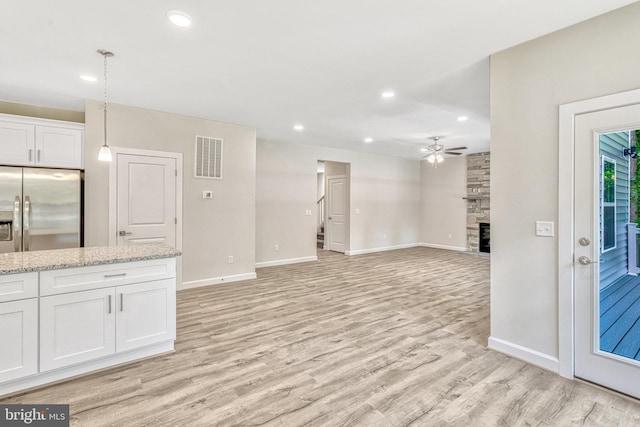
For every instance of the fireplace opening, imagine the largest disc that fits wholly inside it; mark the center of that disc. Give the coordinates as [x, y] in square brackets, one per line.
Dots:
[485, 237]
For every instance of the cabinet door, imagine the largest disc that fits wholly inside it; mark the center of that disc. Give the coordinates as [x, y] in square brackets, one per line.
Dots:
[19, 332]
[17, 144]
[76, 327]
[58, 147]
[146, 314]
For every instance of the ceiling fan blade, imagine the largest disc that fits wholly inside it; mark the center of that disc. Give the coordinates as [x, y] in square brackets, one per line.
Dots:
[457, 148]
[452, 152]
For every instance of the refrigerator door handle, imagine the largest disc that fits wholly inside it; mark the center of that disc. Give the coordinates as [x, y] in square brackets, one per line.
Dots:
[16, 224]
[27, 222]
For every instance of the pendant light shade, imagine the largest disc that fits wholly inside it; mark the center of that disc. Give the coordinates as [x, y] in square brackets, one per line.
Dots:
[105, 152]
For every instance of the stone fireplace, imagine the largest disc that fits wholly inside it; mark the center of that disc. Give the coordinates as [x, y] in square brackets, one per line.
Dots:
[478, 198]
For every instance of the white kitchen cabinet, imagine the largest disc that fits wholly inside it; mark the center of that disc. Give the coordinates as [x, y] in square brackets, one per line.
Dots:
[58, 147]
[76, 327]
[19, 332]
[146, 314]
[26, 141]
[17, 142]
[79, 325]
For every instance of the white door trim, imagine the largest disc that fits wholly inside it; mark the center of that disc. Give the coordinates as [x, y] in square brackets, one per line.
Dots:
[113, 180]
[566, 210]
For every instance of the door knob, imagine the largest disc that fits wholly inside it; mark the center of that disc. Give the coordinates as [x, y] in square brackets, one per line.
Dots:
[584, 241]
[124, 233]
[584, 260]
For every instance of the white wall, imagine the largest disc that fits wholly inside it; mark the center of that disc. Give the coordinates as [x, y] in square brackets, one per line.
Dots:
[212, 229]
[443, 212]
[386, 190]
[528, 83]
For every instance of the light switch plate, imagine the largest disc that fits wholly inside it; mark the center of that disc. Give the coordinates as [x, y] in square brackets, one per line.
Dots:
[207, 194]
[544, 228]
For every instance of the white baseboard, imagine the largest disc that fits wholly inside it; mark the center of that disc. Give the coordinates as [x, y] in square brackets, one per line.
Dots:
[381, 249]
[286, 261]
[216, 281]
[526, 354]
[449, 248]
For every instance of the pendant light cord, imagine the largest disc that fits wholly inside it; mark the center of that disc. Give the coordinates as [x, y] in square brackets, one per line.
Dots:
[105, 97]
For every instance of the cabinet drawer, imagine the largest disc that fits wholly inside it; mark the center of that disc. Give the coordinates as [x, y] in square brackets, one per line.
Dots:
[94, 277]
[18, 286]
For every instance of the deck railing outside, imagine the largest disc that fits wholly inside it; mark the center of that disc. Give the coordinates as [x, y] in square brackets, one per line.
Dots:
[634, 250]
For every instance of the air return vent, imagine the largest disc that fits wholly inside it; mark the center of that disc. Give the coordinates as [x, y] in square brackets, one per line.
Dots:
[208, 157]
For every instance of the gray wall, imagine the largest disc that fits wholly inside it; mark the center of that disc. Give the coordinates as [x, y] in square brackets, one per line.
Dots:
[528, 83]
[385, 190]
[212, 229]
[443, 212]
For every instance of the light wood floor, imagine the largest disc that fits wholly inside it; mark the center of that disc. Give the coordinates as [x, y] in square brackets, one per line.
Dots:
[389, 339]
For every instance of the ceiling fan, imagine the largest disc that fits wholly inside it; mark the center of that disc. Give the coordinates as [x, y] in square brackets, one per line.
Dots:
[435, 151]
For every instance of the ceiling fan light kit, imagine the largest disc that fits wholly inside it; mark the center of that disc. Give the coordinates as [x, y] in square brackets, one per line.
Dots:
[436, 150]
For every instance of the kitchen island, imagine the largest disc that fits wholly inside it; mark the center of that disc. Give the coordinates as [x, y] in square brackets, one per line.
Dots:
[71, 311]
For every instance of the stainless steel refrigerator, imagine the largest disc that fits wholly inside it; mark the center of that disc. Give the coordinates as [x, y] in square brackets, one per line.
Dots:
[40, 209]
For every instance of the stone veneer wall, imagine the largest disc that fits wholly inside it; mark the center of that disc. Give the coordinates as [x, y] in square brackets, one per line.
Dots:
[478, 191]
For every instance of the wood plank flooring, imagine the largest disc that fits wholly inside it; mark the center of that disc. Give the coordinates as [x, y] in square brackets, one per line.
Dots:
[388, 339]
[620, 317]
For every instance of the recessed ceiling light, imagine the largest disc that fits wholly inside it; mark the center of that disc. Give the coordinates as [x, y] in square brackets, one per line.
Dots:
[299, 128]
[179, 18]
[388, 94]
[463, 118]
[368, 140]
[88, 77]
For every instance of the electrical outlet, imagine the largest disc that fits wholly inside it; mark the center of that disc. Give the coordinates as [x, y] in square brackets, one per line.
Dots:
[230, 259]
[276, 247]
[384, 237]
[207, 194]
[449, 235]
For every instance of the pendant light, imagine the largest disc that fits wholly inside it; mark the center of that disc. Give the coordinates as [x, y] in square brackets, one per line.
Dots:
[105, 152]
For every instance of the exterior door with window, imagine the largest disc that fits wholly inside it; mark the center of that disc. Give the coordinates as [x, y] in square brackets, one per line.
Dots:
[606, 289]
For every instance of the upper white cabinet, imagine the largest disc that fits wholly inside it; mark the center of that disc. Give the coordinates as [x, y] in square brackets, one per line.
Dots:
[26, 141]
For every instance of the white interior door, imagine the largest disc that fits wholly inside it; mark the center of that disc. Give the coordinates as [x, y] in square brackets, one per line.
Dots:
[594, 360]
[336, 213]
[146, 199]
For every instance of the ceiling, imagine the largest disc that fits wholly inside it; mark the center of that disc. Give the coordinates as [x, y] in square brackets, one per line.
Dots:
[272, 64]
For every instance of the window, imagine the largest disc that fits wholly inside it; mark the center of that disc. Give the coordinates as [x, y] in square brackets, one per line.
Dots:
[608, 197]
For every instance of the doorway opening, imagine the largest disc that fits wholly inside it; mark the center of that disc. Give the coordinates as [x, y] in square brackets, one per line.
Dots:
[332, 208]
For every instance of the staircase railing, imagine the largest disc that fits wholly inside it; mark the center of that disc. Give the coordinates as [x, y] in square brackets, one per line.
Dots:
[320, 207]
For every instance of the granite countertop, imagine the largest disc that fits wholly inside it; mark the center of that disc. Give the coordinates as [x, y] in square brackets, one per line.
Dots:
[21, 262]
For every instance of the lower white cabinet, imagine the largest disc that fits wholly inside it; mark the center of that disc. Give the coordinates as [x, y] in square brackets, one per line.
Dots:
[76, 327]
[146, 314]
[83, 326]
[19, 332]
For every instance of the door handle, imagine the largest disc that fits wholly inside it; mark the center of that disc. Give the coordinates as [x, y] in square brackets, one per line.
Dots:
[109, 304]
[16, 224]
[121, 302]
[30, 154]
[329, 217]
[38, 156]
[27, 223]
[124, 233]
[585, 260]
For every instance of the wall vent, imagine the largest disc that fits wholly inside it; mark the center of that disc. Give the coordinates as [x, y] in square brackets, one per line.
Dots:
[208, 157]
